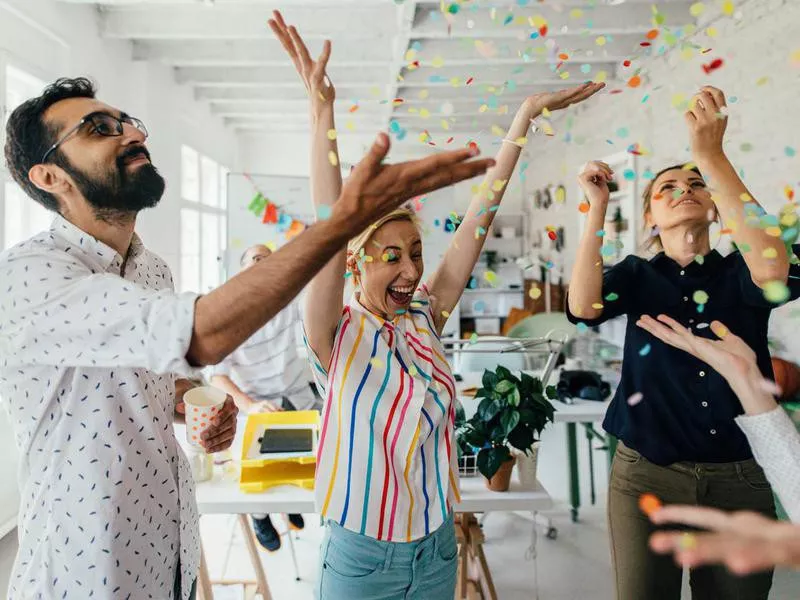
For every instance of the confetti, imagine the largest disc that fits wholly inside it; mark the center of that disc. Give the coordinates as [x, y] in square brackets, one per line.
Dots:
[535, 293]
[697, 9]
[332, 158]
[412, 370]
[688, 541]
[445, 314]
[700, 297]
[727, 8]
[789, 151]
[473, 338]
[635, 399]
[377, 363]
[712, 66]
[324, 212]
[645, 350]
[634, 81]
[776, 292]
[649, 504]
[612, 296]
[331, 134]
[584, 207]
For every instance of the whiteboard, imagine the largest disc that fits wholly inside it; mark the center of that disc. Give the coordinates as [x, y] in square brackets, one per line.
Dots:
[245, 229]
[293, 195]
[9, 467]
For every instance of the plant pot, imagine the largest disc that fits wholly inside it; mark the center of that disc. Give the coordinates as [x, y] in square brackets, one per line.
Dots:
[502, 479]
[526, 467]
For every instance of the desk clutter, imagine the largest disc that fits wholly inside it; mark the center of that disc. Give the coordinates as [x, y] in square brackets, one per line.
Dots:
[280, 448]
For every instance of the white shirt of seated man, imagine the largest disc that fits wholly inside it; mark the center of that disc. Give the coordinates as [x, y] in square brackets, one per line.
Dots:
[268, 367]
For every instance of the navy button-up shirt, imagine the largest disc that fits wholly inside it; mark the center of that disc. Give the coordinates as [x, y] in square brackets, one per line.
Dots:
[687, 409]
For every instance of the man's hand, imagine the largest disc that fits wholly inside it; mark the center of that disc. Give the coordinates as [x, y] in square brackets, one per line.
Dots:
[219, 435]
[375, 189]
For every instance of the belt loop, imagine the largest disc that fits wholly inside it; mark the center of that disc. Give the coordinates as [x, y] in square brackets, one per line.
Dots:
[388, 558]
[738, 469]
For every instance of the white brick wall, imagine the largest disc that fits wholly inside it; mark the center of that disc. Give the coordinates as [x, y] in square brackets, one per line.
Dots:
[757, 45]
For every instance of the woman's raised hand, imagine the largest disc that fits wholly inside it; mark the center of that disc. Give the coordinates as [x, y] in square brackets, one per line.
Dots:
[312, 72]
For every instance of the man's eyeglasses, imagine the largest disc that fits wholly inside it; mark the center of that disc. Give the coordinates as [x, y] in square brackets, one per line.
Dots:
[101, 123]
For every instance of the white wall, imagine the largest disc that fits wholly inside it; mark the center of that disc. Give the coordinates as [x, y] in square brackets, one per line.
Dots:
[288, 154]
[764, 115]
[52, 39]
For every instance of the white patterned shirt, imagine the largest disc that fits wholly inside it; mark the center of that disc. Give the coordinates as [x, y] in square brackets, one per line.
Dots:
[268, 366]
[87, 373]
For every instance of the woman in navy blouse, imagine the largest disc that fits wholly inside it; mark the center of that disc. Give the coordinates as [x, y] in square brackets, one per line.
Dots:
[674, 415]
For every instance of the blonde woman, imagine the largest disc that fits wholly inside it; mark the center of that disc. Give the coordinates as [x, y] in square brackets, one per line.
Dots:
[387, 477]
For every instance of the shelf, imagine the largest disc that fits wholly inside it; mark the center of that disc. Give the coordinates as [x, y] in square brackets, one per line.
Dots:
[493, 291]
[485, 316]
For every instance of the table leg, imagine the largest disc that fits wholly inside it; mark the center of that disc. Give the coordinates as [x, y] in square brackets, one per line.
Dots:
[261, 577]
[574, 478]
[589, 437]
[204, 589]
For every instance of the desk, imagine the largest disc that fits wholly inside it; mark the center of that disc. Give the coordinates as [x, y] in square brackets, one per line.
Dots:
[221, 495]
[585, 412]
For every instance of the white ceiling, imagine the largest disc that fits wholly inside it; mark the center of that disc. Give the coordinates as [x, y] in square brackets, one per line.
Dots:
[225, 51]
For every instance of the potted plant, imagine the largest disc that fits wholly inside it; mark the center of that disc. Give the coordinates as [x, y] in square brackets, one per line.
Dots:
[512, 414]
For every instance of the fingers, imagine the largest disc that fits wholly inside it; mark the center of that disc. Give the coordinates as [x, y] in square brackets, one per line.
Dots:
[717, 94]
[322, 61]
[675, 326]
[596, 172]
[662, 332]
[694, 516]
[180, 408]
[417, 169]
[368, 165]
[444, 177]
[300, 48]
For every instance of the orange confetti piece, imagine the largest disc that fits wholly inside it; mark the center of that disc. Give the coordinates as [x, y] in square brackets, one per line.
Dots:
[353, 108]
[583, 207]
[634, 81]
[652, 34]
[563, 56]
[649, 503]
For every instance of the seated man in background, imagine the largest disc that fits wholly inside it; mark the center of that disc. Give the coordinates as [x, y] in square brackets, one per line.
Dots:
[267, 374]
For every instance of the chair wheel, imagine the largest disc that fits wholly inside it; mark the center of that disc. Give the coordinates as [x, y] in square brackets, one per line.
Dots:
[552, 533]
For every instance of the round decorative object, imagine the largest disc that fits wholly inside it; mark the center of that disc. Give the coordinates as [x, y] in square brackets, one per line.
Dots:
[787, 376]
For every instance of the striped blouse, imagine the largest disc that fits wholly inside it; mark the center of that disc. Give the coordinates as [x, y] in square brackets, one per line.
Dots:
[387, 465]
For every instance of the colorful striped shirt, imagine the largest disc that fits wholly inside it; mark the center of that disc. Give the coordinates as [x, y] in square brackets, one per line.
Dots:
[387, 464]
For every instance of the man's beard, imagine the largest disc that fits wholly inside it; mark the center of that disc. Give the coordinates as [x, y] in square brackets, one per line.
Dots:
[118, 194]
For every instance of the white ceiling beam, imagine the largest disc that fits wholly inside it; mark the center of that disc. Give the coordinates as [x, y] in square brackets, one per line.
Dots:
[284, 75]
[261, 91]
[243, 21]
[516, 21]
[254, 52]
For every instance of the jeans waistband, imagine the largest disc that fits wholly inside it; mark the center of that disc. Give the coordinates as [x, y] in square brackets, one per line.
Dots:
[694, 468]
[390, 551]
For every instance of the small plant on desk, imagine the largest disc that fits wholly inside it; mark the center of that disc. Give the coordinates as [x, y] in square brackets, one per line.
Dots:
[513, 413]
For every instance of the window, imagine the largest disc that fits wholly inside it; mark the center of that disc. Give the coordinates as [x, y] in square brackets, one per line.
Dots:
[20, 215]
[203, 221]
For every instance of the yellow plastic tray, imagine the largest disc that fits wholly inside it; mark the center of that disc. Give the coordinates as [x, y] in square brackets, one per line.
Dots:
[262, 473]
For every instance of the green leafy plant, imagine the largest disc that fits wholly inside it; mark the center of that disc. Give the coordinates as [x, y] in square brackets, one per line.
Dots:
[512, 414]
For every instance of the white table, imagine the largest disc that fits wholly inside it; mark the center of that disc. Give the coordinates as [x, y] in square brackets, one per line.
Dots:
[585, 412]
[222, 495]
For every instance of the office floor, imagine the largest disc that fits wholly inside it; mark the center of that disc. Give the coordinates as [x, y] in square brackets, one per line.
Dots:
[576, 566]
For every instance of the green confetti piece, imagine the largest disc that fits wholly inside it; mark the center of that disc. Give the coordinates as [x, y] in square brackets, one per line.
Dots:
[776, 292]
[645, 350]
[582, 327]
[700, 297]
[699, 259]
[473, 338]
[612, 296]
